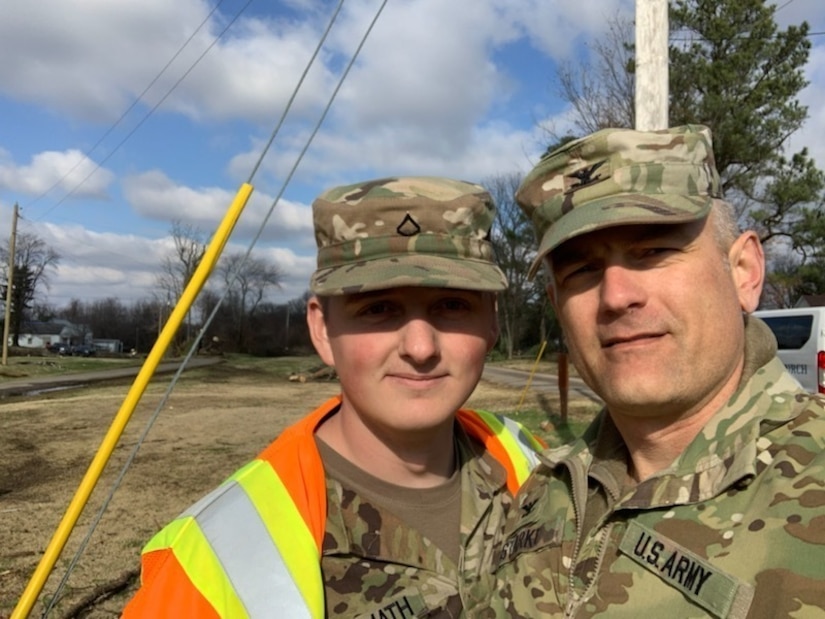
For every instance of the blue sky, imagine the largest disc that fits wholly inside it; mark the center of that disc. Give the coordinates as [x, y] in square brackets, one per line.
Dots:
[103, 149]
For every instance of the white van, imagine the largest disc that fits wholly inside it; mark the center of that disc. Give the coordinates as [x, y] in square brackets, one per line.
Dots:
[800, 333]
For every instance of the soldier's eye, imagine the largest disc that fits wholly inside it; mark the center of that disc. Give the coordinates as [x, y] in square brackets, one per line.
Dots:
[375, 309]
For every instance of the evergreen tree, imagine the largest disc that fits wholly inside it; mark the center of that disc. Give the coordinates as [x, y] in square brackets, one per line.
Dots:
[734, 70]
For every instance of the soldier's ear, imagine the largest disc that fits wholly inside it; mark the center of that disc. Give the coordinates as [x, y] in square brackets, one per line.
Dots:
[747, 263]
[316, 322]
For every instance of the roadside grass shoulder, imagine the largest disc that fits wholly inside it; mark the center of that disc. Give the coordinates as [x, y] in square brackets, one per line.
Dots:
[52, 365]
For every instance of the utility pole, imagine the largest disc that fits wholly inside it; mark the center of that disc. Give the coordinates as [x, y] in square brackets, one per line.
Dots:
[286, 329]
[9, 286]
[651, 96]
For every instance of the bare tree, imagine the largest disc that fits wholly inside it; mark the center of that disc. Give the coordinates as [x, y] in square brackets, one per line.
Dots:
[178, 267]
[601, 88]
[246, 281]
[513, 241]
[33, 259]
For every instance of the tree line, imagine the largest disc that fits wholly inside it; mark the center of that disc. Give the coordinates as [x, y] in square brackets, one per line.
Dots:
[234, 301]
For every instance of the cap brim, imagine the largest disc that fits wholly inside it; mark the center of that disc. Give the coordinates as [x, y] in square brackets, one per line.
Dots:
[620, 210]
[412, 270]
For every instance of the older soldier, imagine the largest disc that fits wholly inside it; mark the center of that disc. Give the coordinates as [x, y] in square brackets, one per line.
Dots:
[384, 501]
[699, 491]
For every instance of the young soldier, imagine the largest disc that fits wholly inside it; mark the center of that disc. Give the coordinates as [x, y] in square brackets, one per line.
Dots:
[384, 501]
[699, 490]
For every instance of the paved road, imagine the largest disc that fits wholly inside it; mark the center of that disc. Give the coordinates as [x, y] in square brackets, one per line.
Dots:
[544, 383]
[31, 385]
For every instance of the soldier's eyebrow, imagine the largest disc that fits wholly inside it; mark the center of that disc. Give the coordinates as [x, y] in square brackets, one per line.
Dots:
[580, 248]
[360, 297]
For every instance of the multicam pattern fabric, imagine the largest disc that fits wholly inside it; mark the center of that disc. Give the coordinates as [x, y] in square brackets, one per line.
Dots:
[734, 528]
[619, 176]
[407, 231]
[375, 565]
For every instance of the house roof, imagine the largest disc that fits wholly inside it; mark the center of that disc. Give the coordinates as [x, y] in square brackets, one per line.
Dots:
[811, 300]
[42, 328]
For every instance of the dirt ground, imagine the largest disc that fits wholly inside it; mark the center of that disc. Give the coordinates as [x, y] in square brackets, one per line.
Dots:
[215, 420]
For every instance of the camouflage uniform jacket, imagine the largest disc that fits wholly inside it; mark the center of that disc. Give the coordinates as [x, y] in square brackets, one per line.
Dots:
[735, 527]
[375, 565]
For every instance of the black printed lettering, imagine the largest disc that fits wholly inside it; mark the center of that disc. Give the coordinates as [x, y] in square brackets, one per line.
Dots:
[519, 541]
[398, 609]
[699, 576]
[406, 610]
[655, 553]
[641, 545]
[668, 566]
[507, 549]
[681, 568]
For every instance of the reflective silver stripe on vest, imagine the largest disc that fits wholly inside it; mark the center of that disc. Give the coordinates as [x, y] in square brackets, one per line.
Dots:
[522, 440]
[249, 557]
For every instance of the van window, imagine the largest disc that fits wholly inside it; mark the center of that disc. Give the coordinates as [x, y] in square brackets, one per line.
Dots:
[791, 331]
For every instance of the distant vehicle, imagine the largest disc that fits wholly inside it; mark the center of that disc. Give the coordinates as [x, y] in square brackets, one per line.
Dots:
[800, 334]
[81, 350]
[59, 347]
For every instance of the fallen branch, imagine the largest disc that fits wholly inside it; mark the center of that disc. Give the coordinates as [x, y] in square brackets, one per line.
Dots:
[101, 593]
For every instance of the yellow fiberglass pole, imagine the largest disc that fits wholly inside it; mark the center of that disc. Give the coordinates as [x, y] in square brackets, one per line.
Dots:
[532, 373]
[64, 529]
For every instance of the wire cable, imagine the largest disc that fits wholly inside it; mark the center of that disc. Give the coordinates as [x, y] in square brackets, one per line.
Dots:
[151, 111]
[137, 100]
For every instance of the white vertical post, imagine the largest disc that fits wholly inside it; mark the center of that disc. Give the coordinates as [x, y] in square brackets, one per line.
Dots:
[9, 287]
[651, 97]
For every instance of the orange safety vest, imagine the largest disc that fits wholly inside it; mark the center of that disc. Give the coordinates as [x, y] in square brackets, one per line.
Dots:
[253, 546]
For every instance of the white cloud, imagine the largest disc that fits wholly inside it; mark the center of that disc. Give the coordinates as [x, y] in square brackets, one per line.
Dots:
[68, 172]
[154, 195]
[90, 58]
[93, 59]
[558, 27]
[102, 265]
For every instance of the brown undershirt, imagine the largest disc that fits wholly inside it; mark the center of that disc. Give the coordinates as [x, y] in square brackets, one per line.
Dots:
[433, 512]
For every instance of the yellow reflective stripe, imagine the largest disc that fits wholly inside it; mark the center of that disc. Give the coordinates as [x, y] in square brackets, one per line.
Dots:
[288, 530]
[164, 538]
[202, 567]
[512, 436]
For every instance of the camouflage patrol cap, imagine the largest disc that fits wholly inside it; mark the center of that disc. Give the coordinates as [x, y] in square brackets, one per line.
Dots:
[410, 231]
[617, 177]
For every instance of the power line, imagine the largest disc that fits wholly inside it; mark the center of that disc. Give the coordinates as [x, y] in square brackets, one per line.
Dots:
[98, 165]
